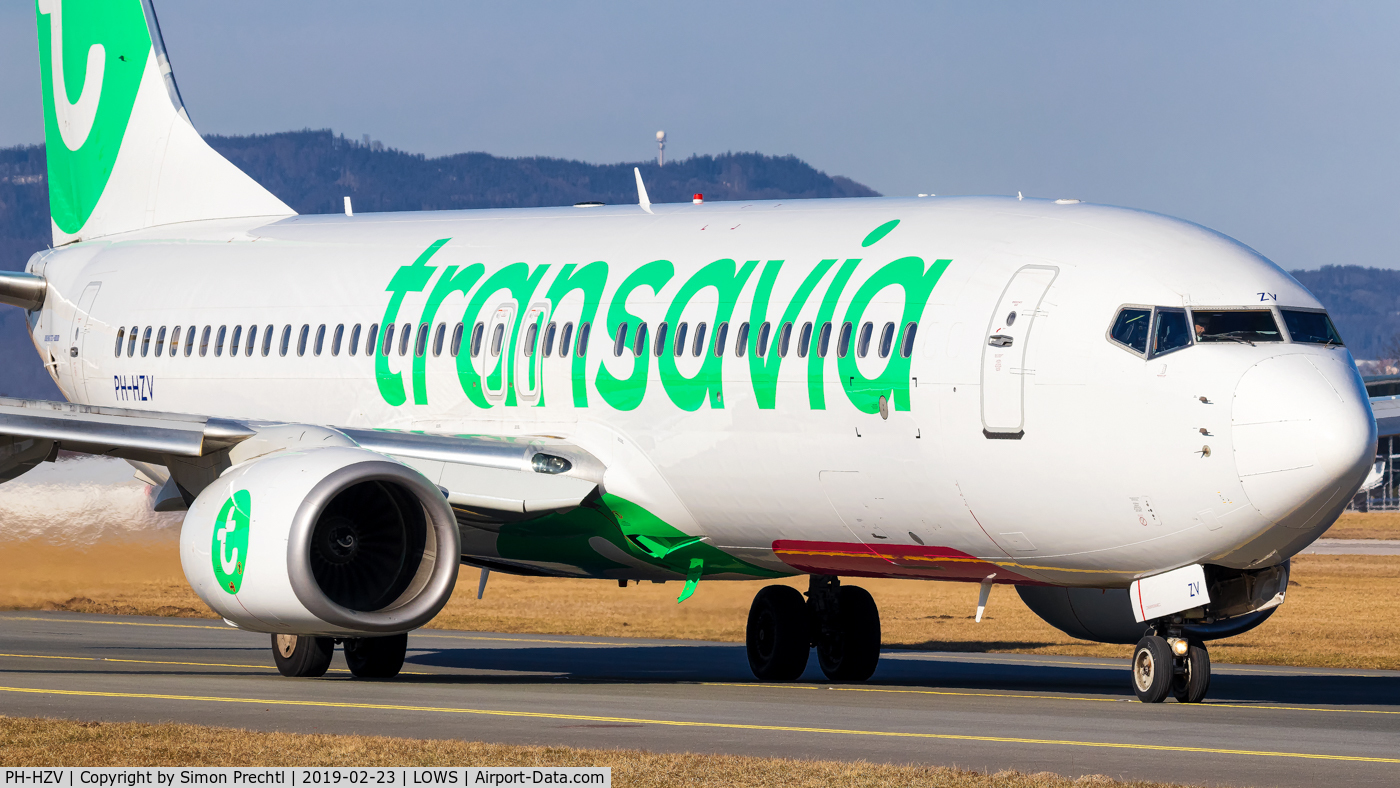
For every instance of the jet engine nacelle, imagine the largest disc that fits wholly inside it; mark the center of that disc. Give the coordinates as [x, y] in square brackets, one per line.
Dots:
[1240, 601]
[328, 541]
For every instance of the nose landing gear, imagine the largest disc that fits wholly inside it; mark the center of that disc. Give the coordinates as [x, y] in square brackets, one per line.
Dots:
[1172, 665]
[843, 623]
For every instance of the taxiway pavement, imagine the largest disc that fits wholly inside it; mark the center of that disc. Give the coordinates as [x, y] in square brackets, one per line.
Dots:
[1262, 725]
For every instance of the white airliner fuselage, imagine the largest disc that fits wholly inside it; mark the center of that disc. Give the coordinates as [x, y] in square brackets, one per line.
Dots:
[1225, 453]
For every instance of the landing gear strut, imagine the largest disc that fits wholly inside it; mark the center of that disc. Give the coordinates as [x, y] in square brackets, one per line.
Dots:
[1173, 665]
[843, 622]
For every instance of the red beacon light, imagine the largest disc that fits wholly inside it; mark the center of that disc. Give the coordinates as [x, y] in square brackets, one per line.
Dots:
[699, 198]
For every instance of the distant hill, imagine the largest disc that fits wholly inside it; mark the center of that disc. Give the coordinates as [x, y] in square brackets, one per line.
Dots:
[313, 171]
[1364, 304]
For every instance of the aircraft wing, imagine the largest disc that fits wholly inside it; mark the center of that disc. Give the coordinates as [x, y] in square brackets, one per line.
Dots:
[1387, 413]
[483, 477]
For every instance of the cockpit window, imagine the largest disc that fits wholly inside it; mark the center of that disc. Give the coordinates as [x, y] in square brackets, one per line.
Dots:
[1131, 328]
[1237, 325]
[1315, 327]
[1172, 331]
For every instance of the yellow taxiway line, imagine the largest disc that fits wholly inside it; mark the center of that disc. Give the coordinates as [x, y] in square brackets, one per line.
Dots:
[188, 664]
[694, 724]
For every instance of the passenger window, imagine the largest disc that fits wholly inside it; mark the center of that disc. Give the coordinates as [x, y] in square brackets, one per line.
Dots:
[121, 337]
[863, 343]
[219, 341]
[145, 341]
[387, 346]
[639, 345]
[565, 337]
[907, 348]
[620, 344]
[160, 342]
[131, 341]
[456, 340]
[175, 342]
[531, 334]
[582, 349]
[721, 335]
[252, 340]
[355, 339]
[549, 332]
[1172, 331]
[824, 339]
[233, 343]
[741, 340]
[1311, 327]
[286, 341]
[320, 339]
[762, 349]
[679, 346]
[420, 347]
[189, 342]
[698, 346]
[498, 338]
[659, 346]
[267, 340]
[886, 340]
[843, 343]
[405, 336]
[371, 336]
[439, 337]
[477, 334]
[1236, 325]
[804, 340]
[204, 342]
[784, 337]
[1130, 329]
[301, 339]
[339, 335]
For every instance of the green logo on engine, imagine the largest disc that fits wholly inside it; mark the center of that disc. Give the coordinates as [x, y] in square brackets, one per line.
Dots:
[230, 545]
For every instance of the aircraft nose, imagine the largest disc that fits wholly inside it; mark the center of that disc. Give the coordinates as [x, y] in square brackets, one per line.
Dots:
[1304, 437]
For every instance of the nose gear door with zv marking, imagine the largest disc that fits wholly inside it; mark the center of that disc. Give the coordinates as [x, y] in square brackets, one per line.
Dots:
[1004, 351]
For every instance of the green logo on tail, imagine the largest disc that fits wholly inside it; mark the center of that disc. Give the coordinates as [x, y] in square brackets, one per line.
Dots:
[230, 545]
[92, 54]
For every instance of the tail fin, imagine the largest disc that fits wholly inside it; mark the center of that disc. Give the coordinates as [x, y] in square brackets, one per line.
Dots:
[122, 154]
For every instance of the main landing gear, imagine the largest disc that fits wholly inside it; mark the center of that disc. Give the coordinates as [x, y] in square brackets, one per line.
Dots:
[841, 621]
[1173, 665]
[305, 656]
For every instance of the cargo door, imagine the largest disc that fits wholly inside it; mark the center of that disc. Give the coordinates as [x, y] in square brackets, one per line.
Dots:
[1004, 351]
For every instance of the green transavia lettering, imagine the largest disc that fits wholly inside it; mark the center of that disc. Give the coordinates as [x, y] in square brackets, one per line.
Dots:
[501, 381]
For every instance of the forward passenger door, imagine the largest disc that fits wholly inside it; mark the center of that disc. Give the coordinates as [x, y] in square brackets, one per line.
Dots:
[1004, 351]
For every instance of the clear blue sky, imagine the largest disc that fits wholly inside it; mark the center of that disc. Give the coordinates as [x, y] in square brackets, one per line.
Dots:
[1273, 122]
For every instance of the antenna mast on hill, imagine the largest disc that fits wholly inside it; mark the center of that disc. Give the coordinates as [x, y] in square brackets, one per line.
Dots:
[660, 148]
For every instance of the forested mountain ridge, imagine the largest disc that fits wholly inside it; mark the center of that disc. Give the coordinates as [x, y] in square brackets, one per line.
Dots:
[312, 171]
[1364, 304]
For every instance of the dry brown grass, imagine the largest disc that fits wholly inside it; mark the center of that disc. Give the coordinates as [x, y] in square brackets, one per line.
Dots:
[1365, 525]
[46, 742]
[1342, 612]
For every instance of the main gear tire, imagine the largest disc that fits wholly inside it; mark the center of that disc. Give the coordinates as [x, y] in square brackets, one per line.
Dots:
[849, 650]
[376, 658]
[778, 635]
[302, 656]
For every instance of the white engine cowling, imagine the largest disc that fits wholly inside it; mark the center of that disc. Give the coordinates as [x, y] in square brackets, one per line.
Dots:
[327, 541]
